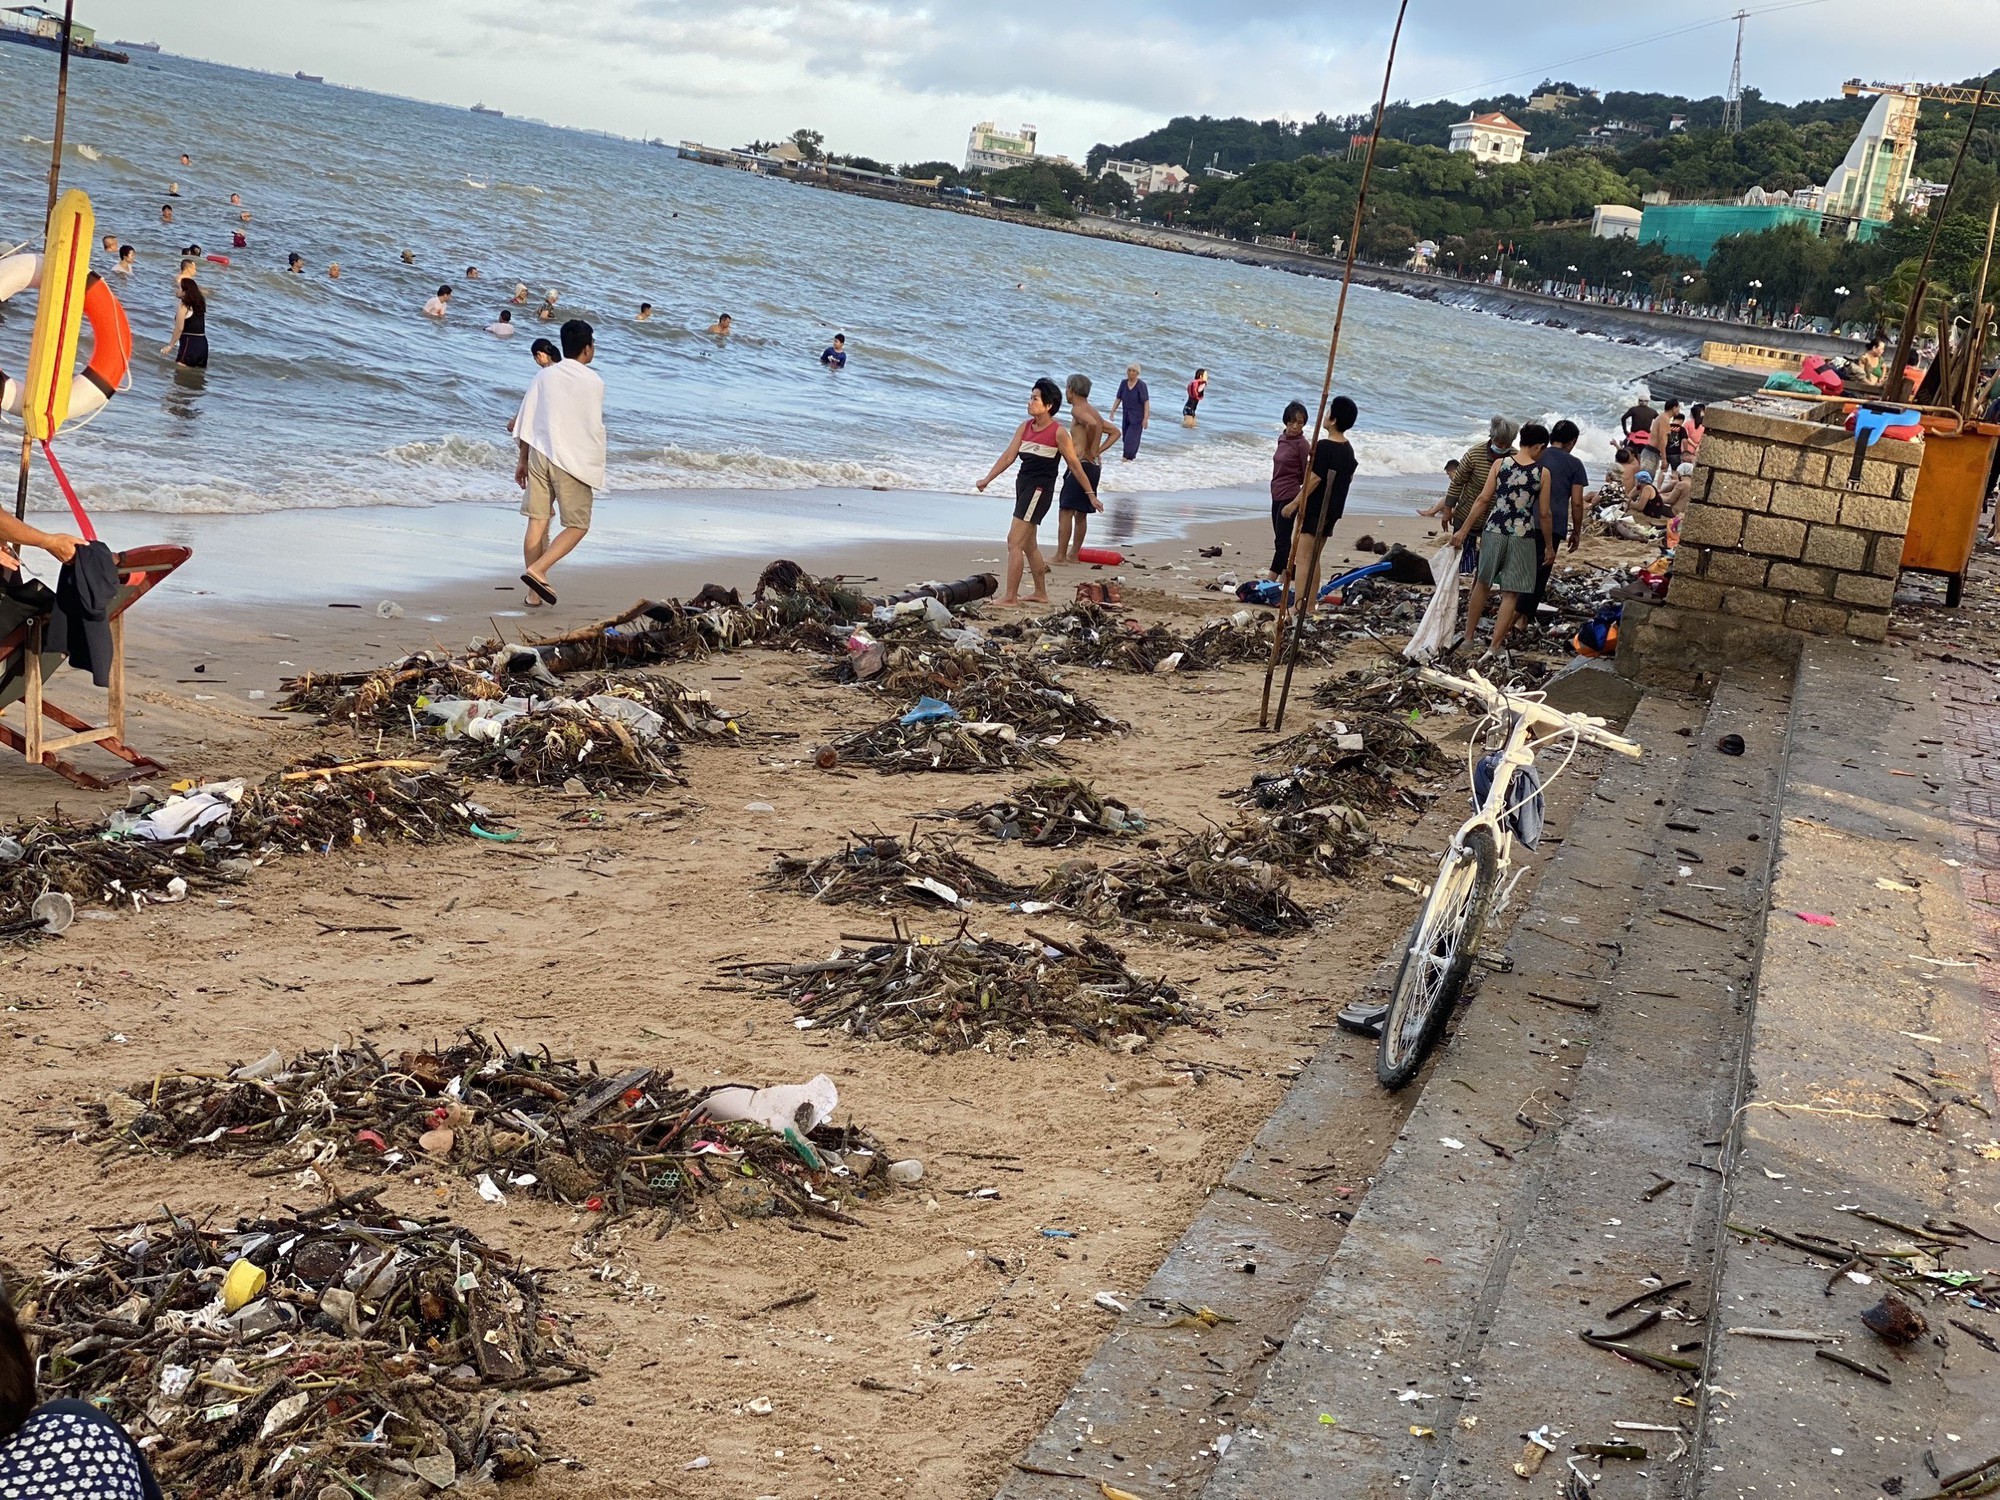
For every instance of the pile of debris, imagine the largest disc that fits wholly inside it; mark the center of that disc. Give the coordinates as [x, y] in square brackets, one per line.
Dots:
[950, 994]
[1085, 634]
[1189, 892]
[604, 744]
[158, 851]
[1054, 812]
[1329, 841]
[348, 1347]
[924, 870]
[1010, 714]
[510, 1121]
[1371, 761]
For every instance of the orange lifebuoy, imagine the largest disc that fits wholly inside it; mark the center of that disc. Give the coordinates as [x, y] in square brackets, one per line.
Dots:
[110, 336]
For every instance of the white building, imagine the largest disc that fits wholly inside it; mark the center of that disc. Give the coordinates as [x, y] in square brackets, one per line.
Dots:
[1875, 175]
[1614, 221]
[1489, 138]
[1147, 177]
[990, 149]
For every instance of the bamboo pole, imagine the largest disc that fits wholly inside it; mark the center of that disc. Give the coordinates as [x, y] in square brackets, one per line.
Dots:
[1981, 314]
[55, 187]
[1286, 603]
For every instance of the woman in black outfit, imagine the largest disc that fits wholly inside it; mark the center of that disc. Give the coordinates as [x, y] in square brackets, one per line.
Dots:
[1325, 501]
[189, 341]
[61, 1450]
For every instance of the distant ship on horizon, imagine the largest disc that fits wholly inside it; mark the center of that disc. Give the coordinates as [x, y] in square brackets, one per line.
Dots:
[137, 46]
[309, 78]
[481, 109]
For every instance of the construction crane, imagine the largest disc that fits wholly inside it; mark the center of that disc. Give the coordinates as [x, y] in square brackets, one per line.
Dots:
[1943, 93]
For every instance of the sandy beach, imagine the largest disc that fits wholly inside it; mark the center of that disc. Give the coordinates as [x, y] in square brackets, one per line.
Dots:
[599, 934]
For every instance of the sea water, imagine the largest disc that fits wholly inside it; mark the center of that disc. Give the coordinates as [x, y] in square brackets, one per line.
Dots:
[325, 393]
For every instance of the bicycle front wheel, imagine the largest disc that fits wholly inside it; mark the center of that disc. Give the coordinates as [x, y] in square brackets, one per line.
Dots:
[1442, 947]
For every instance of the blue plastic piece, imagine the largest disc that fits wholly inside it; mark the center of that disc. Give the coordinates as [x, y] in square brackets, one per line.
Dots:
[928, 710]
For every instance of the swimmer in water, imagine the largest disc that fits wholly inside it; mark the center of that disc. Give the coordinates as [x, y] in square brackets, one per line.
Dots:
[110, 243]
[166, 213]
[333, 271]
[235, 200]
[547, 311]
[520, 292]
[439, 305]
[295, 263]
[503, 326]
[128, 260]
[645, 313]
[184, 160]
[472, 273]
[721, 326]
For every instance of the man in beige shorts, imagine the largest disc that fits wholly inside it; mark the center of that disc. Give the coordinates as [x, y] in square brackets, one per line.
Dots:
[560, 433]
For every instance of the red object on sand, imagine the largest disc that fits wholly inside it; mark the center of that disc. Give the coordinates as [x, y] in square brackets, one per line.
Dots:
[1104, 557]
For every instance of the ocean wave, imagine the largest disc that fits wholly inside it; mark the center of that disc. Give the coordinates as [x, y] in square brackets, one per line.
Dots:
[675, 467]
[453, 452]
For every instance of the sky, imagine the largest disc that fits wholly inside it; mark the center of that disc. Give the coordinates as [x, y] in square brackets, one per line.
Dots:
[904, 80]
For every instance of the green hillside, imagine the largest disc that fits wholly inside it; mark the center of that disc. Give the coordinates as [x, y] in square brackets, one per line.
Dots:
[1298, 179]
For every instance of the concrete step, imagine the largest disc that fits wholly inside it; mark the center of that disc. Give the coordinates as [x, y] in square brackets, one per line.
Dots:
[1403, 1341]
[1869, 1088]
[1629, 1202]
[1148, 1411]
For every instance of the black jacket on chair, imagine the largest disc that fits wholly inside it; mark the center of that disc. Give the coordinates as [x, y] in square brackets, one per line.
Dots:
[81, 624]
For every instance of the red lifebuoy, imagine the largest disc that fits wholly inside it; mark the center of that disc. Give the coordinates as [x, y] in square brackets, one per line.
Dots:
[1103, 557]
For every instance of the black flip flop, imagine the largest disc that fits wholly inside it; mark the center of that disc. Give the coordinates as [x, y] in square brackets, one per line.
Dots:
[541, 590]
[1362, 1019]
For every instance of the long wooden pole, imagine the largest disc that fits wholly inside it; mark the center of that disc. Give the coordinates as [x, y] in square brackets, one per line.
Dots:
[1975, 340]
[55, 187]
[1286, 603]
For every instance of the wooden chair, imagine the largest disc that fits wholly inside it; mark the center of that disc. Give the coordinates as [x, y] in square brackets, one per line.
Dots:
[27, 660]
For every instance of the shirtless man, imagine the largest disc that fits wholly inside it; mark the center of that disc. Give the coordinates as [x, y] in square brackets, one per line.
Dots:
[1091, 435]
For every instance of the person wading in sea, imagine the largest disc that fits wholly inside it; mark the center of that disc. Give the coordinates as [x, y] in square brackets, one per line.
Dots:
[560, 433]
[1038, 443]
[1197, 388]
[1091, 435]
[1133, 406]
[188, 343]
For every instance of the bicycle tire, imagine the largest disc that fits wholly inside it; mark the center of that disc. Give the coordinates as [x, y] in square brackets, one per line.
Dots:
[1442, 946]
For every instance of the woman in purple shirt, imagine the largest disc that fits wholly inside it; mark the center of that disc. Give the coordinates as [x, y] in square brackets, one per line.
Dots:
[1288, 477]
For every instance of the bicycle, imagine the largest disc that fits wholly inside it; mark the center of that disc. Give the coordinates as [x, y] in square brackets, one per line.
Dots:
[1444, 941]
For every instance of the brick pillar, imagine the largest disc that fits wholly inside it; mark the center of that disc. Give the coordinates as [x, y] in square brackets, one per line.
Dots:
[1776, 540]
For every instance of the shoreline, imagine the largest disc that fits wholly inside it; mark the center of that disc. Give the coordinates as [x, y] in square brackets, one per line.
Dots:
[225, 657]
[1630, 324]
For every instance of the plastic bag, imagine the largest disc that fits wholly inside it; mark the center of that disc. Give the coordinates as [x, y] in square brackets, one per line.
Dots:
[1434, 631]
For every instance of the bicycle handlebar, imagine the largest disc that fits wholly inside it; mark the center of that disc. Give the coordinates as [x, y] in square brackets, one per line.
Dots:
[1534, 710]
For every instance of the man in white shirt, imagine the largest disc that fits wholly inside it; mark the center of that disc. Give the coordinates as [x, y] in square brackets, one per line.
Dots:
[439, 305]
[503, 328]
[560, 433]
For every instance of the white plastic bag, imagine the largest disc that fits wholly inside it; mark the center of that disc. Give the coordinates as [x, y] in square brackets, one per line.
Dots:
[1434, 631]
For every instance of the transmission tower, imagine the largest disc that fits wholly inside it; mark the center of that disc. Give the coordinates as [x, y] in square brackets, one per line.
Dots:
[1732, 105]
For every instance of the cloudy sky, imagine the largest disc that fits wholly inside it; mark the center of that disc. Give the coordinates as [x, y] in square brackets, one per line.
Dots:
[904, 79]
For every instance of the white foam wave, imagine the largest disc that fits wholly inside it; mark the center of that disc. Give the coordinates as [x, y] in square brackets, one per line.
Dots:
[675, 467]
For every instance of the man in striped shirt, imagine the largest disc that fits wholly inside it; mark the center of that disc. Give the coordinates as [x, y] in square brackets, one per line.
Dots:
[1470, 479]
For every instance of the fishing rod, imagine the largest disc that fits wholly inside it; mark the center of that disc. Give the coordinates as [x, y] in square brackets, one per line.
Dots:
[1286, 603]
[55, 183]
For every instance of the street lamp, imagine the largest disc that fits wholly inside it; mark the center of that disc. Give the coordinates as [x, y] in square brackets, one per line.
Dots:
[1840, 291]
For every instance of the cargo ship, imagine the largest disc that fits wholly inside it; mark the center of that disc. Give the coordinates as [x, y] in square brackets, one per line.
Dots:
[481, 109]
[136, 46]
[31, 26]
[309, 78]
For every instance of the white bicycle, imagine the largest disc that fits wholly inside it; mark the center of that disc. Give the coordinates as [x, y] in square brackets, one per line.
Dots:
[1472, 881]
